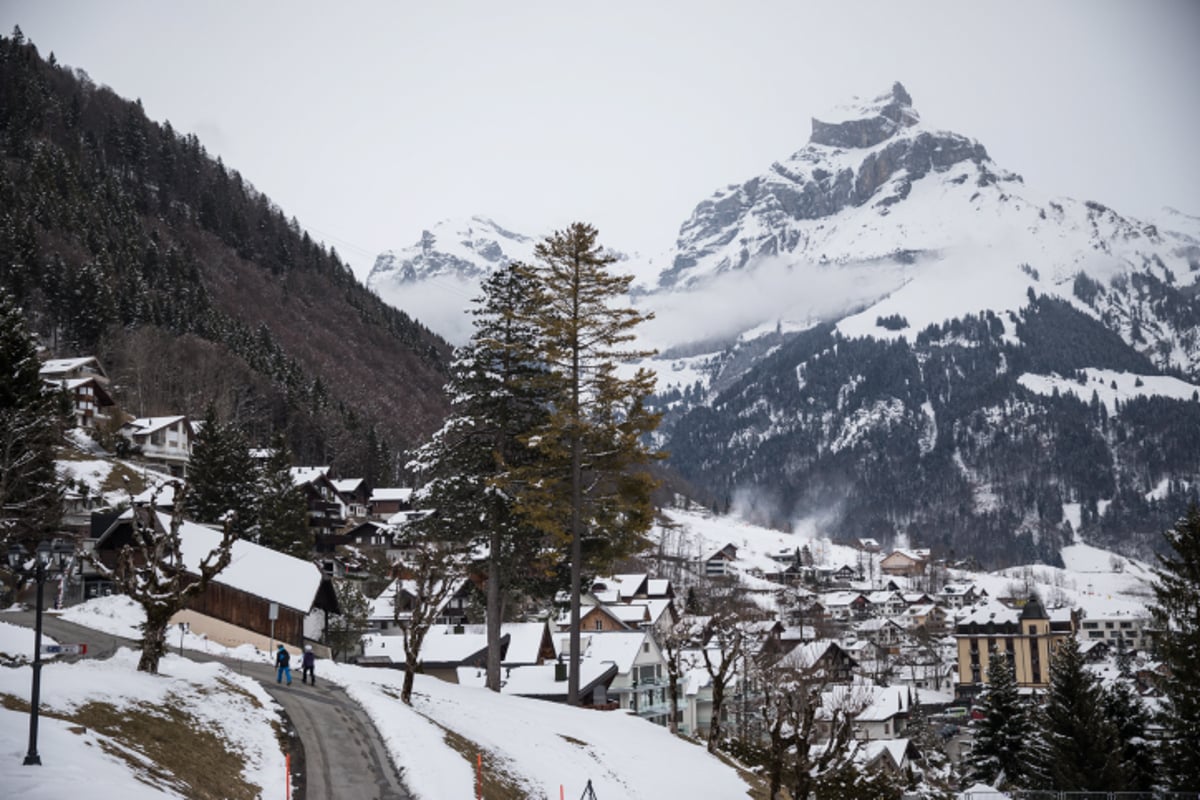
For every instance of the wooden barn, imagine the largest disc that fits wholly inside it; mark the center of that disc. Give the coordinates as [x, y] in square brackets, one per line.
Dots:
[256, 582]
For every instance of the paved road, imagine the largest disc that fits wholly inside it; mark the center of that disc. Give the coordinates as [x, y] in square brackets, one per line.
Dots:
[342, 754]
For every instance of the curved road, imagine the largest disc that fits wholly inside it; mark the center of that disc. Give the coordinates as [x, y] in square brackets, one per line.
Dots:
[343, 755]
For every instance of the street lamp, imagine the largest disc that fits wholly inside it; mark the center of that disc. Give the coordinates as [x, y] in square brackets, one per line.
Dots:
[60, 553]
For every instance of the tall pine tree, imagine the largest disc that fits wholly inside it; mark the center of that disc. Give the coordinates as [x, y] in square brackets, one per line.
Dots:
[282, 511]
[998, 750]
[1176, 614]
[498, 399]
[30, 425]
[222, 476]
[590, 488]
[1074, 741]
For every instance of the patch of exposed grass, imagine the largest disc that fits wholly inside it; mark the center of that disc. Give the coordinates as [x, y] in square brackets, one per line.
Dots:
[760, 787]
[123, 478]
[164, 747]
[497, 784]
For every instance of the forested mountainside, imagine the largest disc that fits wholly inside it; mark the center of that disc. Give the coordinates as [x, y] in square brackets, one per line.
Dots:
[124, 239]
[949, 441]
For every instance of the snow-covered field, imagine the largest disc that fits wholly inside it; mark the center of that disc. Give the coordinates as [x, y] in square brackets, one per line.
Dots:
[79, 762]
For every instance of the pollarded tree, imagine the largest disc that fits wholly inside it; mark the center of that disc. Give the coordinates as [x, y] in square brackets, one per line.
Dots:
[998, 750]
[1176, 613]
[590, 488]
[497, 399]
[432, 571]
[30, 425]
[1073, 741]
[152, 571]
[346, 629]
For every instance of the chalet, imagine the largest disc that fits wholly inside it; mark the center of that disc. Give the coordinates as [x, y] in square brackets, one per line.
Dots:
[162, 441]
[549, 682]
[1026, 636]
[823, 659]
[893, 756]
[886, 716]
[384, 502]
[867, 545]
[928, 616]
[260, 597]
[85, 380]
[718, 564]
[326, 511]
[602, 617]
[445, 649]
[368, 534]
[908, 563]
[640, 684]
[883, 632]
[846, 573]
[844, 606]
[354, 496]
[392, 608]
[959, 595]
[886, 604]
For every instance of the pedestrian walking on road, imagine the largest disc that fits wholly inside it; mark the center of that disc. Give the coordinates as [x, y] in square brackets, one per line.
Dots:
[307, 664]
[282, 659]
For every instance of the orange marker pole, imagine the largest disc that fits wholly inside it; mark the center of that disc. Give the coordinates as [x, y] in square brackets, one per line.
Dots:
[479, 768]
[287, 778]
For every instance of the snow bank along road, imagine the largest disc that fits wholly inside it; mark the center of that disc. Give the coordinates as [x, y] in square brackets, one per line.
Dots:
[343, 754]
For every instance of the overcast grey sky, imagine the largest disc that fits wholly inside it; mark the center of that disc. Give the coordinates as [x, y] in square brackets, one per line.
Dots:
[369, 121]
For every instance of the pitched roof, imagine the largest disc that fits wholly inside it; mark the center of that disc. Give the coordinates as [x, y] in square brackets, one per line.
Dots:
[143, 425]
[254, 569]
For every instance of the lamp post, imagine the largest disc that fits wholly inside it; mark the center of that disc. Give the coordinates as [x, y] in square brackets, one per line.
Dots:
[60, 552]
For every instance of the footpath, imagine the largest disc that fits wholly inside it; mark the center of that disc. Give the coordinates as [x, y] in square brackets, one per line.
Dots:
[342, 753]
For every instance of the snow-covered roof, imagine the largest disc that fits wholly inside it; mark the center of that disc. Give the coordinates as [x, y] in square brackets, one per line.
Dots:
[302, 476]
[440, 646]
[347, 484]
[992, 611]
[537, 680]
[143, 425]
[384, 495]
[58, 366]
[254, 569]
[887, 703]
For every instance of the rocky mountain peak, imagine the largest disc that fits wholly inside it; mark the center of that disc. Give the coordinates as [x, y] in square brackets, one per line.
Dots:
[866, 124]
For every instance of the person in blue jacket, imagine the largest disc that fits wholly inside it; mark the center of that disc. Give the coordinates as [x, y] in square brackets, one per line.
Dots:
[282, 659]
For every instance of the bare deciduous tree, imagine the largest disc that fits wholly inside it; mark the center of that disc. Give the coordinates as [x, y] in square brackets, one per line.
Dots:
[151, 571]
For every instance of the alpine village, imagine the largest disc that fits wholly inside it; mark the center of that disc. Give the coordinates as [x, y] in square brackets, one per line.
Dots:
[867, 559]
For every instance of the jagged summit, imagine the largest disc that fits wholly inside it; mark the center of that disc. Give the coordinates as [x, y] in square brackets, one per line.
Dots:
[867, 163]
[866, 124]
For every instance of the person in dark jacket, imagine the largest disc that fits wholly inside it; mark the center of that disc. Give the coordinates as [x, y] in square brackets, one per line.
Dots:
[307, 663]
[282, 669]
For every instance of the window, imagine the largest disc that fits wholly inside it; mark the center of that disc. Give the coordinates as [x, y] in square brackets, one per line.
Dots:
[645, 647]
[1126, 625]
[1033, 630]
[599, 625]
[1108, 625]
[1095, 634]
[1087, 626]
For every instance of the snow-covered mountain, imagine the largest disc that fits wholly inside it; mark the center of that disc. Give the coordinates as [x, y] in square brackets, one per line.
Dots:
[882, 215]
[460, 249]
[892, 334]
